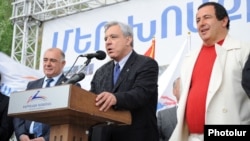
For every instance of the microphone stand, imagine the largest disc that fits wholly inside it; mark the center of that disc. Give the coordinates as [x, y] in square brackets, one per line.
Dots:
[79, 75]
[86, 63]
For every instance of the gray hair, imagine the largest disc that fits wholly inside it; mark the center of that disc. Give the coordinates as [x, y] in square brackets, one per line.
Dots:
[126, 29]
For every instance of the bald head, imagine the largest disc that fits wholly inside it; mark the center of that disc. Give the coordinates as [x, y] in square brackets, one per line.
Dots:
[53, 62]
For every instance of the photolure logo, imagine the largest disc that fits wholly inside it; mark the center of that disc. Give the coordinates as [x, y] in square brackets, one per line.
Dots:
[36, 97]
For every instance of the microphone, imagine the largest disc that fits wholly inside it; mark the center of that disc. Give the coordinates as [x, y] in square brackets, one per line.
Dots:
[75, 78]
[100, 55]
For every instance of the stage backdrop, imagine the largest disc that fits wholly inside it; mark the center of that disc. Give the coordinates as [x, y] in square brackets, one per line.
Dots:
[168, 21]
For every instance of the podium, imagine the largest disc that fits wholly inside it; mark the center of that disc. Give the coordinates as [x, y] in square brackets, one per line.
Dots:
[68, 109]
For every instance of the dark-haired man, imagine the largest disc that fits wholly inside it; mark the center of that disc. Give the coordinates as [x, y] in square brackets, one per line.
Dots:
[211, 78]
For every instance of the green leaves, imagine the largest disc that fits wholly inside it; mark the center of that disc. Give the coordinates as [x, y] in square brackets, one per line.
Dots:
[6, 27]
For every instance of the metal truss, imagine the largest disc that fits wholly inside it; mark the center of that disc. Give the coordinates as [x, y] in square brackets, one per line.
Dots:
[27, 16]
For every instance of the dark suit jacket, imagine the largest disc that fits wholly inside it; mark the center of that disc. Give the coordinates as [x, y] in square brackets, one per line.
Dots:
[167, 120]
[136, 90]
[22, 126]
[246, 77]
[6, 124]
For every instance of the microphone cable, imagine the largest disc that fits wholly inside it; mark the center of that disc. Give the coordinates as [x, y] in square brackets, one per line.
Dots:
[71, 67]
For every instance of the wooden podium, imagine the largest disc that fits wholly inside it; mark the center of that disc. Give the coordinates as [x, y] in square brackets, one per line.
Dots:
[68, 109]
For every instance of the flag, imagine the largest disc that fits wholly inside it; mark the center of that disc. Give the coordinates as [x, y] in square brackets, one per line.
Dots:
[15, 76]
[166, 98]
[151, 51]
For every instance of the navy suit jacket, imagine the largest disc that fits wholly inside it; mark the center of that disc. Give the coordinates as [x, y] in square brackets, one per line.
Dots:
[22, 126]
[6, 124]
[136, 90]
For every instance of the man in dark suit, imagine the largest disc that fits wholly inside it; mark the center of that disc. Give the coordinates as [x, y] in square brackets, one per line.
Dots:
[246, 77]
[53, 64]
[6, 124]
[135, 89]
[167, 118]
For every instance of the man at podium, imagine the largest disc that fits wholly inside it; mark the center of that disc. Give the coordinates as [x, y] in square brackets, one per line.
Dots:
[53, 64]
[127, 82]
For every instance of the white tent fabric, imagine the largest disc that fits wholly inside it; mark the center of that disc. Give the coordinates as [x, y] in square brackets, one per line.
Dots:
[15, 76]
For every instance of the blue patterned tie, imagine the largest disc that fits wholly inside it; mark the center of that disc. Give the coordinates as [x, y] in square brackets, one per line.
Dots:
[37, 129]
[49, 80]
[116, 72]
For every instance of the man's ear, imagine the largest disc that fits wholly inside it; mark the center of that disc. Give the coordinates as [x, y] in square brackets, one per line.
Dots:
[129, 40]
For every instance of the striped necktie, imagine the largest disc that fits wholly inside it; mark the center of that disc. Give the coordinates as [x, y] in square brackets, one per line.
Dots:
[48, 81]
[37, 129]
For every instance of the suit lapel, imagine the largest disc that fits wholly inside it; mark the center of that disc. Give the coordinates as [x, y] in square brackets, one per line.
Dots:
[61, 80]
[188, 63]
[125, 70]
[219, 66]
[40, 83]
[217, 73]
[186, 74]
[104, 82]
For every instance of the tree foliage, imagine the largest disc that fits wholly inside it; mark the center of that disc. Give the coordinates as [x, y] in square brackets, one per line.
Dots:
[6, 27]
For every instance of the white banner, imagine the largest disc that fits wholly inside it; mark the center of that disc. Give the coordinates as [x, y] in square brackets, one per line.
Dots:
[166, 98]
[168, 21]
[15, 76]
